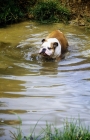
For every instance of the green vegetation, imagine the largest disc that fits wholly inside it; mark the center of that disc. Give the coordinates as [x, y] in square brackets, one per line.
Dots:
[9, 11]
[50, 11]
[43, 11]
[14, 10]
[71, 131]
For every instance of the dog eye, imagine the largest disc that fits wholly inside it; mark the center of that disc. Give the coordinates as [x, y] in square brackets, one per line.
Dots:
[49, 48]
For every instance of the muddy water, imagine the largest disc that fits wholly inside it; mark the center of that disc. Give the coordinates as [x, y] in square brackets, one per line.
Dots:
[38, 90]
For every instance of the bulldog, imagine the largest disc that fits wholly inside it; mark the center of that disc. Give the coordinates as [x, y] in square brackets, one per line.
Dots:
[54, 46]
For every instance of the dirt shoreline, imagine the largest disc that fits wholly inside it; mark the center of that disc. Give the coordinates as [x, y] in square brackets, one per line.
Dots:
[80, 12]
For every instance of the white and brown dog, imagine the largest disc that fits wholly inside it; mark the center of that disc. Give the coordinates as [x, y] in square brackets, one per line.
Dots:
[54, 46]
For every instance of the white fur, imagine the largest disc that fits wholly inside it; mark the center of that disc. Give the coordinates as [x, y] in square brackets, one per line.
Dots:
[50, 52]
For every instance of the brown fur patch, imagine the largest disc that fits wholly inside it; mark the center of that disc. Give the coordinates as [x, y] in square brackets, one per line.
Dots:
[61, 38]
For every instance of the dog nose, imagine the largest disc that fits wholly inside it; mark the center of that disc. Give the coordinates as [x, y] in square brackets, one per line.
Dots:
[43, 50]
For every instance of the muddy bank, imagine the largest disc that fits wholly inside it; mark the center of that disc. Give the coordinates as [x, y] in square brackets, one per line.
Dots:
[14, 12]
[80, 11]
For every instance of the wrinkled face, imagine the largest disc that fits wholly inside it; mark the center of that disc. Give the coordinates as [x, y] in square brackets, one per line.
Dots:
[50, 48]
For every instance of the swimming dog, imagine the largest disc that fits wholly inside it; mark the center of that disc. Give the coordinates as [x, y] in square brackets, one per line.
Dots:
[54, 46]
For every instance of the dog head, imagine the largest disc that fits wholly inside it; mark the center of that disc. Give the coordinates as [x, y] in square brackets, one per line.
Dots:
[50, 48]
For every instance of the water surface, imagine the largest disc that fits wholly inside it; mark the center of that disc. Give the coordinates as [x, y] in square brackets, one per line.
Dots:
[38, 90]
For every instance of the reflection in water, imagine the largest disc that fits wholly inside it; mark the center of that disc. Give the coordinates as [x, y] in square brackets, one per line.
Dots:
[41, 90]
[47, 69]
[9, 85]
[2, 132]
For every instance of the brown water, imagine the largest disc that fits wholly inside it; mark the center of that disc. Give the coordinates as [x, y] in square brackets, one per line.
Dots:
[42, 91]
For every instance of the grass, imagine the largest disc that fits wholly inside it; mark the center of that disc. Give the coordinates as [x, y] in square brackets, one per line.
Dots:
[47, 11]
[72, 130]
[13, 11]
[44, 11]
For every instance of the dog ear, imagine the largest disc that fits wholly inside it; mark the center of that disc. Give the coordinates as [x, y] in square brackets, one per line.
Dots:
[43, 40]
[55, 44]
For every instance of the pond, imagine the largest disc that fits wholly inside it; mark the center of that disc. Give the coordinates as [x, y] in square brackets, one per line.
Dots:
[37, 90]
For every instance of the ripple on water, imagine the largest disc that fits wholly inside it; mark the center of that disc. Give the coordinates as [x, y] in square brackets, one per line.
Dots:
[37, 89]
